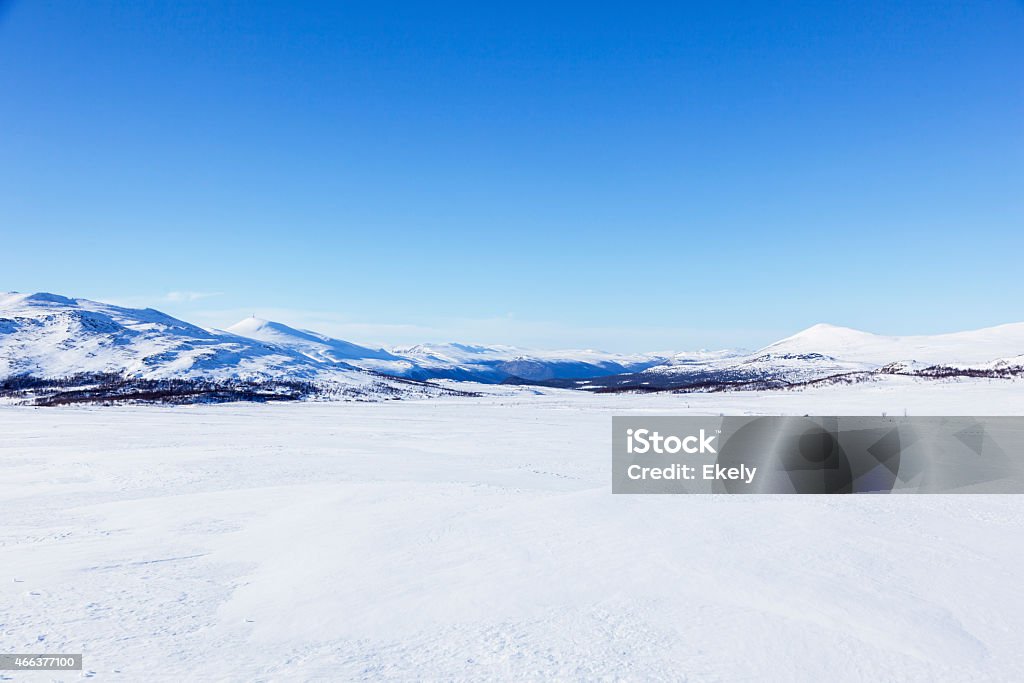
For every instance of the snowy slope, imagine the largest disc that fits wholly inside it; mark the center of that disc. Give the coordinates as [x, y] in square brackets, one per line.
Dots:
[827, 350]
[312, 344]
[465, 362]
[971, 348]
[47, 335]
[51, 336]
[496, 363]
[326, 350]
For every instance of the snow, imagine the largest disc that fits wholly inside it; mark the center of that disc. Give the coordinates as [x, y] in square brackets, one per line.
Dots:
[312, 344]
[471, 362]
[456, 353]
[51, 336]
[827, 350]
[963, 348]
[478, 539]
[498, 362]
[704, 356]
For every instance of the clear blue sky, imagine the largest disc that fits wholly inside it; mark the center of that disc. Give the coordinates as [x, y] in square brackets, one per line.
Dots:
[629, 177]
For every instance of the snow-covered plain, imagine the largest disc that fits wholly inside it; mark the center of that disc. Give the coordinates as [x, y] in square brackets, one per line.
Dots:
[478, 539]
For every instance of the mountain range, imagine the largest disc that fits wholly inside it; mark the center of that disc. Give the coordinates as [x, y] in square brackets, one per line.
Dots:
[53, 339]
[465, 362]
[829, 353]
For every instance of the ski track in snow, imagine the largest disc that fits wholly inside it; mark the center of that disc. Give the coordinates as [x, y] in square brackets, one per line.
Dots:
[477, 539]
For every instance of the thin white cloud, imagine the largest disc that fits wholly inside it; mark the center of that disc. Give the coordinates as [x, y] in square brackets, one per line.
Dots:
[173, 298]
[184, 297]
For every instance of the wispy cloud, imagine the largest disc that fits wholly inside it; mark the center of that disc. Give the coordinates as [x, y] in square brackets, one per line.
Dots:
[171, 299]
[182, 297]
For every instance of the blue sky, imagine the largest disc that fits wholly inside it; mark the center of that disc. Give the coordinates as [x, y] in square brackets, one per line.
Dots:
[629, 177]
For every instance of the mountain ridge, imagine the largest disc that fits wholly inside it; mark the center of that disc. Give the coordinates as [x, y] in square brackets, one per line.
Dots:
[53, 336]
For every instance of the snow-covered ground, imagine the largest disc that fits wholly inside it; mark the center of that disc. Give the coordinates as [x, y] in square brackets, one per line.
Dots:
[478, 539]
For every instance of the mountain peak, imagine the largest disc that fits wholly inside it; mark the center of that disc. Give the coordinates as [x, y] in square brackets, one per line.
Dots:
[828, 328]
[254, 324]
[973, 346]
[822, 327]
[15, 298]
[312, 344]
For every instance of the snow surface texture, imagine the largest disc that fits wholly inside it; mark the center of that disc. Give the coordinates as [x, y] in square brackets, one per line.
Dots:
[468, 539]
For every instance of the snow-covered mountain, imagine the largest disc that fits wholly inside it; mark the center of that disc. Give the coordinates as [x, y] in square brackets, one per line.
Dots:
[48, 336]
[311, 344]
[453, 361]
[825, 351]
[498, 363]
[961, 348]
[52, 337]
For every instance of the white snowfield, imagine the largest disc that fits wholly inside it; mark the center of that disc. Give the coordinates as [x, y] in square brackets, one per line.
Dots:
[477, 539]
